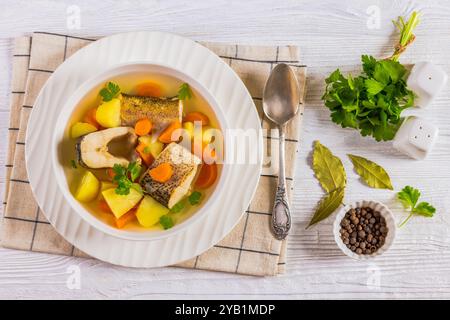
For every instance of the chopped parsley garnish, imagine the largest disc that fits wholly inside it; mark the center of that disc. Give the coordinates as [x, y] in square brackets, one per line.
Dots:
[184, 92]
[110, 91]
[125, 177]
[166, 222]
[178, 207]
[194, 198]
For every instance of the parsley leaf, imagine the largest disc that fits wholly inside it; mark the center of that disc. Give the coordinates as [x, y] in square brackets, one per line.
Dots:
[194, 198]
[166, 222]
[110, 91]
[395, 70]
[125, 177]
[178, 207]
[368, 64]
[134, 169]
[373, 86]
[409, 197]
[425, 209]
[73, 164]
[184, 92]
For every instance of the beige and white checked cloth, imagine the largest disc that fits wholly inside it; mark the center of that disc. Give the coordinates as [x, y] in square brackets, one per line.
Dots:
[249, 248]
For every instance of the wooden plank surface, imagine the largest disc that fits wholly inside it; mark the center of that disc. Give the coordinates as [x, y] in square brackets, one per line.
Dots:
[331, 34]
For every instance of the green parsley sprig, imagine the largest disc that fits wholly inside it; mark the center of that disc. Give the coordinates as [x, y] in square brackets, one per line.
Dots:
[373, 101]
[184, 92]
[110, 91]
[409, 197]
[125, 177]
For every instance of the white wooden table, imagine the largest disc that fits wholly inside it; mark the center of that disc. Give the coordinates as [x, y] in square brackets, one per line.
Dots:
[331, 34]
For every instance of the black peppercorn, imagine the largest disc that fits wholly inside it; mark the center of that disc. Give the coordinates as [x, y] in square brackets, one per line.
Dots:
[363, 230]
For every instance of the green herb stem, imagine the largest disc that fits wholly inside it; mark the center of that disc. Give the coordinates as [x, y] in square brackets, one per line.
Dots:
[406, 34]
[406, 220]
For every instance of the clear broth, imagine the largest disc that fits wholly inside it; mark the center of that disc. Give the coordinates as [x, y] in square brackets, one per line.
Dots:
[128, 83]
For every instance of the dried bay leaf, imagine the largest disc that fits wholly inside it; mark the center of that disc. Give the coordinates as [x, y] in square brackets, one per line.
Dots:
[327, 206]
[373, 174]
[328, 168]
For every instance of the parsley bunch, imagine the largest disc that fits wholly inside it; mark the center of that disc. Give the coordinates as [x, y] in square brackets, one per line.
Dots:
[373, 101]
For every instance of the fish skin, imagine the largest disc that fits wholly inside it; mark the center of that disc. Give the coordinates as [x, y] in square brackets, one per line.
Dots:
[160, 111]
[184, 165]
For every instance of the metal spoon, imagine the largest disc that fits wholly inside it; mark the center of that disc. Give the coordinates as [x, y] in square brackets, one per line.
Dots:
[281, 100]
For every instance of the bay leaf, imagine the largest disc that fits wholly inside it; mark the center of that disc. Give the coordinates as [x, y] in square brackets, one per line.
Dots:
[373, 174]
[328, 168]
[327, 206]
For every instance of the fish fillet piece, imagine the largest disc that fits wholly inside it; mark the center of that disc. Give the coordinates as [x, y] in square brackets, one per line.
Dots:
[92, 149]
[160, 111]
[184, 165]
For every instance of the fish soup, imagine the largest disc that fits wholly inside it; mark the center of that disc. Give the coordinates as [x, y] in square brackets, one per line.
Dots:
[142, 152]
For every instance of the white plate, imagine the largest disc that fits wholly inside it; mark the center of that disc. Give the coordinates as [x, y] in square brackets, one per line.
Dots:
[198, 63]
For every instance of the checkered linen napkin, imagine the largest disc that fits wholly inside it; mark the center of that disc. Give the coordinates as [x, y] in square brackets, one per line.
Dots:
[249, 248]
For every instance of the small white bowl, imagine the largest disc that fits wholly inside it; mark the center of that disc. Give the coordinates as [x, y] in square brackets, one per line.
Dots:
[376, 206]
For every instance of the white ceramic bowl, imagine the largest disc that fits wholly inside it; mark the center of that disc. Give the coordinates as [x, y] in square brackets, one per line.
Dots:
[376, 206]
[60, 133]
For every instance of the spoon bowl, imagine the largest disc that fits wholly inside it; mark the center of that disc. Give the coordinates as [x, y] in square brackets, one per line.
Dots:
[281, 95]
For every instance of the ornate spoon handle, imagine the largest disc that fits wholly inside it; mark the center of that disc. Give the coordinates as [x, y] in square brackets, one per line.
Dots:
[281, 214]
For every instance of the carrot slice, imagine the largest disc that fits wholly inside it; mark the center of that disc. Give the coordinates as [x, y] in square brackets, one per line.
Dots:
[197, 116]
[149, 89]
[146, 156]
[126, 218]
[166, 135]
[207, 176]
[110, 172]
[91, 118]
[103, 206]
[161, 173]
[143, 127]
